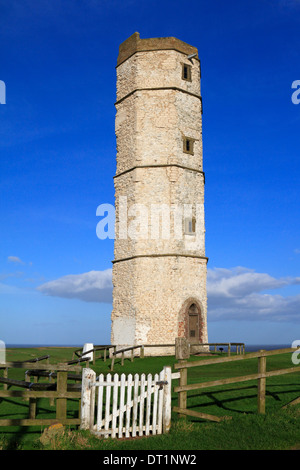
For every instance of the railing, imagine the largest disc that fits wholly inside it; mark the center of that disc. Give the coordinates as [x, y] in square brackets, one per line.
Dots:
[36, 359]
[240, 347]
[61, 391]
[260, 376]
[102, 348]
[123, 351]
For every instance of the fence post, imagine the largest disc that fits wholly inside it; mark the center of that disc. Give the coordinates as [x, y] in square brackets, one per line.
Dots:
[87, 399]
[61, 401]
[261, 386]
[167, 399]
[182, 352]
[5, 376]
[229, 349]
[51, 381]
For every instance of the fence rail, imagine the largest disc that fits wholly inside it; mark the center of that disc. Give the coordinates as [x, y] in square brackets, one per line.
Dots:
[61, 391]
[123, 351]
[240, 347]
[102, 348]
[260, 376]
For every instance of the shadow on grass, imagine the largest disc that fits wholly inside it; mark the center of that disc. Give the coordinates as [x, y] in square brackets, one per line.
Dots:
[224, 403]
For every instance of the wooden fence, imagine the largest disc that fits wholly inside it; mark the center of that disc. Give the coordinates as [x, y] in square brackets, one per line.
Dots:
[110, 351]
[102, 349]
[28, 361]
[126, 407]
[61, 391]
[183, 366]
[240, 347]
[126, 350]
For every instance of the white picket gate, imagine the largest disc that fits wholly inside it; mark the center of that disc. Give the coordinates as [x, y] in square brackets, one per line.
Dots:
[120, 406]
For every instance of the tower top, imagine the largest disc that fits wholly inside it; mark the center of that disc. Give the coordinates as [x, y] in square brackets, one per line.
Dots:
[135, 44]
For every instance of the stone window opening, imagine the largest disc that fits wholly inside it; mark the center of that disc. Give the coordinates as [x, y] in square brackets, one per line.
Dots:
[188, 145]
[190, 226]
[186, 72]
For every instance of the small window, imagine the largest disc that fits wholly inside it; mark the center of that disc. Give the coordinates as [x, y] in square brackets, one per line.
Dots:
[188, 145]
[186, 72]
[192, 333]
[190, 226]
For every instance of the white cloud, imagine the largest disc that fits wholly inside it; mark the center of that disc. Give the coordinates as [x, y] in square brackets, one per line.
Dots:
[14, 259]
[238, 293]
[94, 286]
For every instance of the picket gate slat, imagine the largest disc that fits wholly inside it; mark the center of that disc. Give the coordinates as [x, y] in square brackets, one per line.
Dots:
[142, 404]
[99, 423]
[115, 405]
[128, 407]
[160, 405]
[135, 405]
[122, 398]
[107, 405]
[155, 399]
[148, 404]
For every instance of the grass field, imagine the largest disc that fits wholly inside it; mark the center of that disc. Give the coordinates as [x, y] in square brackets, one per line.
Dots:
[246, 430]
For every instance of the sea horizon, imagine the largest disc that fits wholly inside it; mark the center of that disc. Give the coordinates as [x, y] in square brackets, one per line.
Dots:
[248, 347]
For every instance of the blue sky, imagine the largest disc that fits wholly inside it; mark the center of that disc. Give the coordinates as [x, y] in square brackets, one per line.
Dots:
[58, 159]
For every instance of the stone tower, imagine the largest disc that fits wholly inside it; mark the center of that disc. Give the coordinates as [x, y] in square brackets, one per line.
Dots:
[159, 270]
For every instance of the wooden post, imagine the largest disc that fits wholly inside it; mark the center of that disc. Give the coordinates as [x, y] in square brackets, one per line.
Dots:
[27, 379]
[167, 399]
[182, 396]
[32, 408]
[87, 399]
[5, 376]
[51, 380]
[182, 348]
[229, 349]
[142, 352]
[182, 352]
[122, 360]
[61, 401]
[132, 355]
[261, 386]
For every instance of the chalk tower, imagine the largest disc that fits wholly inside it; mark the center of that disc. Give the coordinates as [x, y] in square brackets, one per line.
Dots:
[159, 267]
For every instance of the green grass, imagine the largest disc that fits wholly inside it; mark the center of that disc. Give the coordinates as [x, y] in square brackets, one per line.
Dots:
[277, 429]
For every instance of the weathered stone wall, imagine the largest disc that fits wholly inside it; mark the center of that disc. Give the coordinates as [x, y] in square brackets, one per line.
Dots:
[150, 295]
[156, 278]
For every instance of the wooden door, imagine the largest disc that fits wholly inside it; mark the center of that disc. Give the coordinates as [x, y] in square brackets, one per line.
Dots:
[193, 324]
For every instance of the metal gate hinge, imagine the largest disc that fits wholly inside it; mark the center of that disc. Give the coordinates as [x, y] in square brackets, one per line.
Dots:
[161, 383]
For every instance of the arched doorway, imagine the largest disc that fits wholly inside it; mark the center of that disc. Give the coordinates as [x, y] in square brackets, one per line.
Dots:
[193, 323]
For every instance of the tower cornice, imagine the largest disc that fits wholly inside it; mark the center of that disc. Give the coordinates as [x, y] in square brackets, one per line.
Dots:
[135, 44]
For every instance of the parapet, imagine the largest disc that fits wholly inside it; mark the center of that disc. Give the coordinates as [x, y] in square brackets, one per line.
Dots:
[135, 44]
